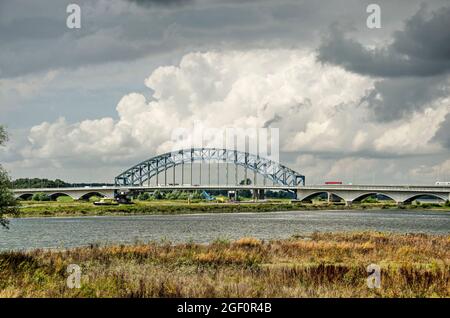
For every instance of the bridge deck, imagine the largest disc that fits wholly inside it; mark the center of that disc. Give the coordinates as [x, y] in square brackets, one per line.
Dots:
[415, 188]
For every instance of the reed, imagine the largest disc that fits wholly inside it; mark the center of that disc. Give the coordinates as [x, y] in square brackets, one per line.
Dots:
[319, 265]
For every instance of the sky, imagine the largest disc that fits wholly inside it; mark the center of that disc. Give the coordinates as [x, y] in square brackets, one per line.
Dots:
[352, 103]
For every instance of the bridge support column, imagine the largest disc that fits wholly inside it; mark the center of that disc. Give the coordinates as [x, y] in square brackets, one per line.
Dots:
[232, 195]
[348, 203]
[262, 194]
[258, 194]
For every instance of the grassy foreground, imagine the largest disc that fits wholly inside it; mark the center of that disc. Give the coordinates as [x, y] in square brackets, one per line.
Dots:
[80, 208]
[322, 265]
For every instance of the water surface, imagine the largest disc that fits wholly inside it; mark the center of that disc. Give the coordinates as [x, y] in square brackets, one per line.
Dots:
[29, 233]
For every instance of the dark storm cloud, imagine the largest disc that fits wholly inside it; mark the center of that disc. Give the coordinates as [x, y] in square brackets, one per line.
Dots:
[443, 134]
[34, 36]
[391, 99]
[422, 48]
[26, 29]
[38, 43]
[147, 3]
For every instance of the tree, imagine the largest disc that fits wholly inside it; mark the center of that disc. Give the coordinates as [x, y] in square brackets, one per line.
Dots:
[22, 183]
[8, 204]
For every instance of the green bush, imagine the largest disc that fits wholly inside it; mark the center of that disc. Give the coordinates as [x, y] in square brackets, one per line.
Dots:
[64, 198]
[370, 200]
[173, 195]
[157, 195]
[40, 197]
[94, 198]
[183, 196]
[143, 196]
[196, 195]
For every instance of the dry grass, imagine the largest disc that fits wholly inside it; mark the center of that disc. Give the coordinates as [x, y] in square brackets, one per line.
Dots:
[323, 265]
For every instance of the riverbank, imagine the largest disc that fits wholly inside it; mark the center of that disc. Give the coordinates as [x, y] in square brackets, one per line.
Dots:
[320, 265]
[167, 207]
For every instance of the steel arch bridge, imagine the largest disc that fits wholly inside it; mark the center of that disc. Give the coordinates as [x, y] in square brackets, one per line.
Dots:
[273, 171]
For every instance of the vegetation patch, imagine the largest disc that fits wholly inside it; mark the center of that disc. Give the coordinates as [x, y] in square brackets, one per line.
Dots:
[320, 265]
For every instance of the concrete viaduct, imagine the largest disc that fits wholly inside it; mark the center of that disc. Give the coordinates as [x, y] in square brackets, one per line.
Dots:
[348, 193]
[356, 193]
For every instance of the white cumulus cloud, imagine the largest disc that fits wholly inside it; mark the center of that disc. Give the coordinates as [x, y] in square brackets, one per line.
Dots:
[316, 107]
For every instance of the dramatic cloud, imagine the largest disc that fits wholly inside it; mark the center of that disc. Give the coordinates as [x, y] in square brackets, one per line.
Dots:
[440, 171]
[415, 136]
[391, 99]
[421, 49]
[218, 89]
[367, 105]
[316, 107]
[161, 2]
[443, 133]
[415, 65]
[35, 38]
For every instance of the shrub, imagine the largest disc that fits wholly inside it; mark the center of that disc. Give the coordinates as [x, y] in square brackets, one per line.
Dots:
[40, 197]
[157, 195]
[248, 242]
[173, 195]
[94, 198]
[64, 198]
[370, 199]
[196, 195]
[144, 196]
[183, 196]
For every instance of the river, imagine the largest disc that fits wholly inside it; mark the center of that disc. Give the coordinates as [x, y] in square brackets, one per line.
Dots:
[30, 233]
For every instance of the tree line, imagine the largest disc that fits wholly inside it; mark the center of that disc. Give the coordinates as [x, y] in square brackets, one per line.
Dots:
[24, 183]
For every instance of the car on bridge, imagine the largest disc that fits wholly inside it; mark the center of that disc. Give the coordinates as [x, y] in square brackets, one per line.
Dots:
[333, 182]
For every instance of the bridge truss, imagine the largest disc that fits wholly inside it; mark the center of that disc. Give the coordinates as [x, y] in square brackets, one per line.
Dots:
[157, 167]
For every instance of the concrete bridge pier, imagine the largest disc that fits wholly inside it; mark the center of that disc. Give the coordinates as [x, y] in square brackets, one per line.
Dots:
[261, 194]
[232, 195]
[258, 194]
